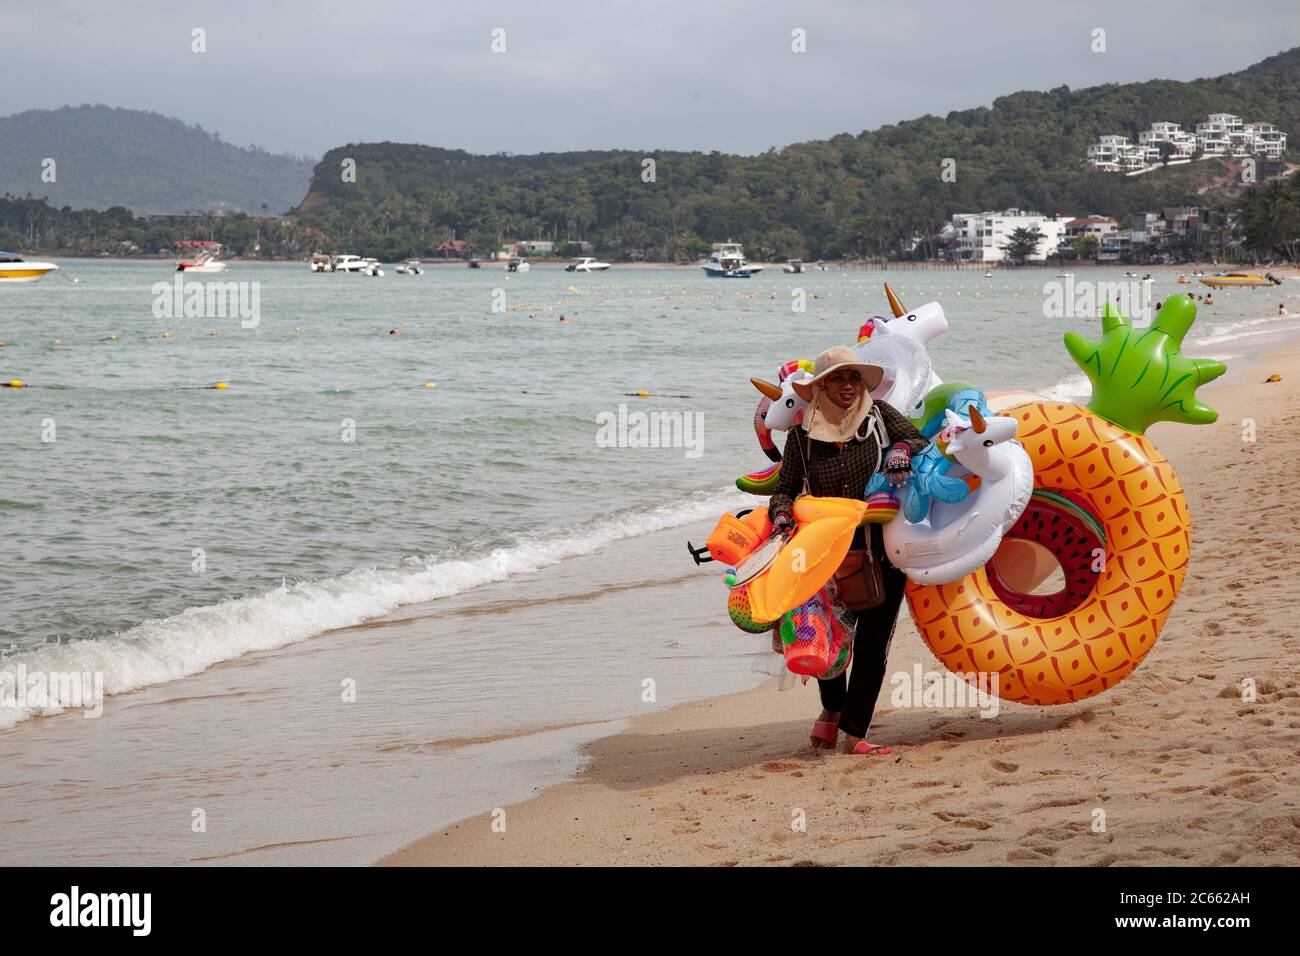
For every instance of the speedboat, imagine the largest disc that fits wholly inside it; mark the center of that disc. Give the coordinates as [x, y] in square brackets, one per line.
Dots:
[988, 275]
[350, 264]
[371, 267]
[320, 263]
[203, 264]
[14, 268]
[517, 265]
[586, 264]
[728, 262]
[1064, 275]
[792, 265]
[411, 267]
[1231, 279]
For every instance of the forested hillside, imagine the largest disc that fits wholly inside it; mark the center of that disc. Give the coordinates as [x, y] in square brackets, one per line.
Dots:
[864, 194]
[145, 162]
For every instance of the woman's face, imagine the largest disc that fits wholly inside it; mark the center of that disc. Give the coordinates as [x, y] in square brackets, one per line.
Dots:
[844, 386]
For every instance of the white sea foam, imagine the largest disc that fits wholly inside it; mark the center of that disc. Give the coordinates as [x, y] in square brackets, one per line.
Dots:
[1244, 328]
[1076, 388]
[196, 639]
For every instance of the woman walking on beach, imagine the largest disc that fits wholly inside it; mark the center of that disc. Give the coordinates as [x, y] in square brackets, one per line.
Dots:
[846, 438]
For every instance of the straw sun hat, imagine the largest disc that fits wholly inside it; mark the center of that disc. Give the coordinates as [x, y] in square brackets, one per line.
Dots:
[834, 358]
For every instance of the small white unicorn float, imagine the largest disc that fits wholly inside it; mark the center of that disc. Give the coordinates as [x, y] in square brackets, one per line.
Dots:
[955, 538]
[899, 346]
[787, 406]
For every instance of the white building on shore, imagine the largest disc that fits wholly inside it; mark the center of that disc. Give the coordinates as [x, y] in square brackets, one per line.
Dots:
[979, 237]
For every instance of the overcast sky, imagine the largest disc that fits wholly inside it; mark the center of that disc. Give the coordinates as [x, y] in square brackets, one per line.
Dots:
[305, 76]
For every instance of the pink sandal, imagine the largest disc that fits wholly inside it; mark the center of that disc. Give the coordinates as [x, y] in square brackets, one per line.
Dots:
[827, 731]
[864, 749]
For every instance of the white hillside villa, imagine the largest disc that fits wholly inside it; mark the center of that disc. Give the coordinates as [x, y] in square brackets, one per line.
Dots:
[1222, 134]
[979, 237]
[1116, 154]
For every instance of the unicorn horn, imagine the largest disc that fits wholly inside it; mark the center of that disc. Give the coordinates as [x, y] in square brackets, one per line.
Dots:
[977, 421]
[894, 304]
[767, 388]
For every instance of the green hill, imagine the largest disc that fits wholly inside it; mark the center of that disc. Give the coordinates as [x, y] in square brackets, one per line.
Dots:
[145, 162]
[852, 194]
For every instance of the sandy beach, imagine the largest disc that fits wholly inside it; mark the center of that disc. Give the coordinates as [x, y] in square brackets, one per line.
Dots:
[1175, 766]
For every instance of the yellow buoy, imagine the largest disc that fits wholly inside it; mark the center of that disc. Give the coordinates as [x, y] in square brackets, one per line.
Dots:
[430, 384]
[220, 385]
[643, 394]
[166, 334]
[15, 383]
[109, 338]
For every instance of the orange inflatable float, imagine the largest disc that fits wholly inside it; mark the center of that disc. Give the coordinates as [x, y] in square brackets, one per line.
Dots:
[1106, 505]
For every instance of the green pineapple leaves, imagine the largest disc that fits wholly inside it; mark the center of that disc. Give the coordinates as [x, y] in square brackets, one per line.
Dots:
[1139, 376]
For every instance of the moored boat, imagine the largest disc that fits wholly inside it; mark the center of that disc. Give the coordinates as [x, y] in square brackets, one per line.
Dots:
[728, 262]
[14, 268]
[1230, 279]
[349, 264]
[586, 264]
[203, 264]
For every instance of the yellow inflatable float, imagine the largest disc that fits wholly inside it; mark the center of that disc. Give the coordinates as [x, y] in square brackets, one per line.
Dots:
[1107, 505]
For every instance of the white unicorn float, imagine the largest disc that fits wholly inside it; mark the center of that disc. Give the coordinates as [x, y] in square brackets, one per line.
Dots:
[899, 346]
[955, 538]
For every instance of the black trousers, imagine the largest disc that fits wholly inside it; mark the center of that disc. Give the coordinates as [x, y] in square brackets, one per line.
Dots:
[853, 695]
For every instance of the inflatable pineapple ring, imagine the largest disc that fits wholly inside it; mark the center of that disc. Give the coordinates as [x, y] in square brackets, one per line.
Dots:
[1107, 505]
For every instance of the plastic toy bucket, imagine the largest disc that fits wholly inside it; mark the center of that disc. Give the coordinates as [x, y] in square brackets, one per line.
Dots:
[806, 640]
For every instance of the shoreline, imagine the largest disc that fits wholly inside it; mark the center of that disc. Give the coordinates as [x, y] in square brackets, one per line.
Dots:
[706, 783]
[832, 265]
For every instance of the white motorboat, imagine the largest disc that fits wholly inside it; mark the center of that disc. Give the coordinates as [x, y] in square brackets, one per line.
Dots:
[14, 268]
[320, 263]
[793, 266]
[350, 264]
[728, 262]
[586, 264]
[517, 265]
[411, 267]
[372, 267]
[203, 264]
